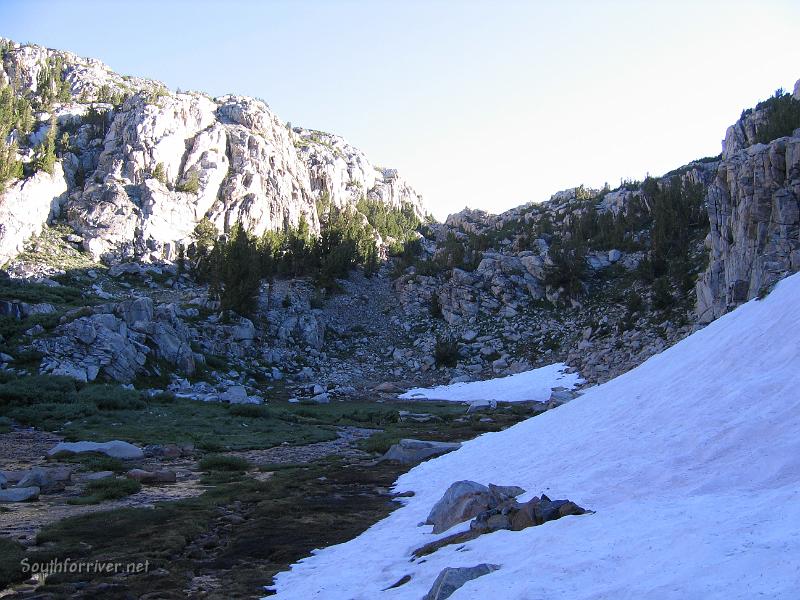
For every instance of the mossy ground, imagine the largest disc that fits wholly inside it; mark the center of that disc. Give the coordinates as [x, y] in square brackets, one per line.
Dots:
[231, 540]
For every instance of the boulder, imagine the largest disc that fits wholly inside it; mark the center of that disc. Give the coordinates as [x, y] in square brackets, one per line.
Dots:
[19, 494]
[322, 398]
[235, 394]
[387, 387]
[137, 313]
[561, 395]
[408, 452]
[114, 449]
[152, 477]
[466, 499]
[48, 479]
[13, 477]
[98, 475]
[479, 405]
[450, 579]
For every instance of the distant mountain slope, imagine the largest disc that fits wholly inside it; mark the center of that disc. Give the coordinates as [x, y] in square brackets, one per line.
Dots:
[143, 165]
[691, 462]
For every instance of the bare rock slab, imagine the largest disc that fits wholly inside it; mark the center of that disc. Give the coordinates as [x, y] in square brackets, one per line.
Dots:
[408, 451]
[114, 449]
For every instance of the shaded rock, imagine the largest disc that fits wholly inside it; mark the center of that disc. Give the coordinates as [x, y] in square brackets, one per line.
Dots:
[464, 500]
[13, 477]
[98, 475]
[235, 394]
[561, 395]
[48, 479]
[407, 451]
[19, 494]
[114, 449]
[450, 579]
[137, 312]
[150, 477]
[387, 387]
[478, 405]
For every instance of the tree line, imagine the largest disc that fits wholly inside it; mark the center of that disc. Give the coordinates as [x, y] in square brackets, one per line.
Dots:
[235, 264]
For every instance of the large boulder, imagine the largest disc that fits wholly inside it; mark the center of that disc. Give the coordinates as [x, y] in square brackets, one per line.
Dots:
[409, 452]
[464, 500]
[152, 477]
[19, 494]
[114, 449]
[48, 479]
[450, 579]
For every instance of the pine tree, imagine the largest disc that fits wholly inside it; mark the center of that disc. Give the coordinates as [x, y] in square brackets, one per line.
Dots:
[240, 273]
[45, 159]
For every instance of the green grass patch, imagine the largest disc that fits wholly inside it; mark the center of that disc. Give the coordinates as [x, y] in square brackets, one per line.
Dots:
[110, 488]
[250, 411]
[222, 462]
[112, 397]
[35, 293]
[11, 553]
[97, 462]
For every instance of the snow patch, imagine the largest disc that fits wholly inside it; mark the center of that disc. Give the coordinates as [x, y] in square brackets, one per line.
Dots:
[534, 385]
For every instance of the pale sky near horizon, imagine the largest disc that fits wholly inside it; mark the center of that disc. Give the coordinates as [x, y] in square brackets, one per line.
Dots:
[481, 104]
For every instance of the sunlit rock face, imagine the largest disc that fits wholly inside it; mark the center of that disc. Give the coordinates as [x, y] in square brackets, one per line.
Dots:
[158, 162]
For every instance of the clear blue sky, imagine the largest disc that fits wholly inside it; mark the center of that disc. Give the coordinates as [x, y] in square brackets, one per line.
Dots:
[486, 104]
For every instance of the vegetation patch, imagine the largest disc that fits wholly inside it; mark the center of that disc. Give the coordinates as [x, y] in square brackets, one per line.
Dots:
[222, 462]
[110, 488]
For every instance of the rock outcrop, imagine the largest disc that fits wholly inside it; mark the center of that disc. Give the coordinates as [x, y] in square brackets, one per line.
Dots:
[148, 164]
[25, 206]
[116, 342]
[754, 210]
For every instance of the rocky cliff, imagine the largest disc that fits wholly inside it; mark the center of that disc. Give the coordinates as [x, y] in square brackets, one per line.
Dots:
[754, 209]
[144, 165]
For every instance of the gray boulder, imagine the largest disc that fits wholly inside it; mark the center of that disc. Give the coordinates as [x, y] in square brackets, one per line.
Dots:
[98, 475]
[408, 452]
[322, 398]
[152, 477]
[46, 478]
[450, 579]
[464, 500]
[479, 405]
[235, 394]
[114, 449]
[19, 494]
[137, 312]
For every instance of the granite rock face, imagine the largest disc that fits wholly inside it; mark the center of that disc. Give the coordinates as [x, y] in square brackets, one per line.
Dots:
[25, 207]
[754, 211]
[146, 164]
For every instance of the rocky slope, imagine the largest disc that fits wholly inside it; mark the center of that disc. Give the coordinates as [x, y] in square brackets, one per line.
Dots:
[144, 165]
[600, 279]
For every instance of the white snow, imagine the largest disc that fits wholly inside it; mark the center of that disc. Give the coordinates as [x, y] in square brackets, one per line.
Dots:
[533, 385]
[691, 460]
